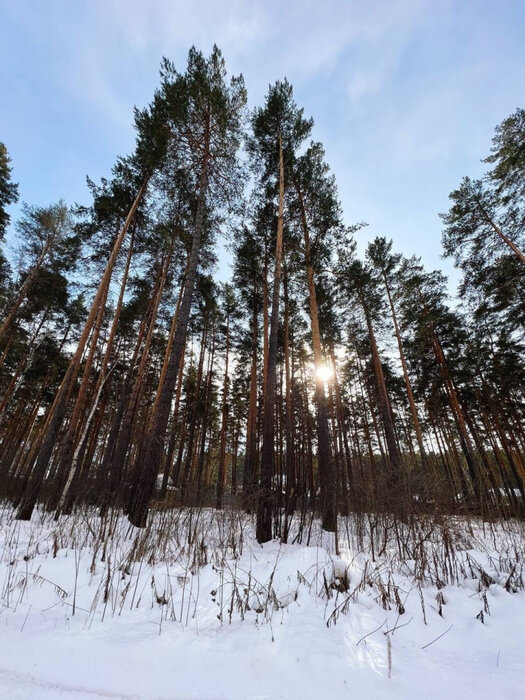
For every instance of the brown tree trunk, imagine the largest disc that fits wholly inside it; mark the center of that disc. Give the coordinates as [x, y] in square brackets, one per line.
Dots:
[235, 454]
[101, 382]
[174, 435]
[152, 449]
[59, 407]
[289, 411]
[459, 418]
[408, 384]
[185, 473]
[265, 501]
[25, 362]
[266, 324]
[250, 460]
[24, 289]
[384, 400]
[124, 440]
[205, 424]
[327, 473]
[64, 469]
[341, 421]
[517, 252]
[221, 477]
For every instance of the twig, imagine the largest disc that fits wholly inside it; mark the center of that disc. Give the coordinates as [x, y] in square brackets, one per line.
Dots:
[441, 635]
[372, 632]
[398, 627]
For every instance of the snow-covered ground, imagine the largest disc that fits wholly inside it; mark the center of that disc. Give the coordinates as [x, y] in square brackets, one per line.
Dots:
[195, 608]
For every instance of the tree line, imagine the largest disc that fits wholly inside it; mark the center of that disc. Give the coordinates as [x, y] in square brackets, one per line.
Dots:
[313, 381]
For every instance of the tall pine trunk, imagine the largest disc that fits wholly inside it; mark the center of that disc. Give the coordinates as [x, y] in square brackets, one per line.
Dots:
[58, 409]
[410, 394]
[384, 400]
[250, 460]
[152, 450]
[327, 472]
[265, 500]
[221, 478]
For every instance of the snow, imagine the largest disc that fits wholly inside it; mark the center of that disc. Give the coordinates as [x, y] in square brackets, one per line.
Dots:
[219, 616]
[170, 486]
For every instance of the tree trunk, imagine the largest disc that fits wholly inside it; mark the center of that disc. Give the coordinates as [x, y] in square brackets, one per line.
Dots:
[151, 454]
[24, 289]
[250, 461]
[327, 473]
[101, 382]
[384, 400]
[290, 489]
[221, 478]
[490, 221]
[264, 501]
[59, 407]
[410, 394]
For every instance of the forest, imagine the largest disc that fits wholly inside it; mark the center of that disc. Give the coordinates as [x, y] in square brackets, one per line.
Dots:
[234, 438]
[313, 381]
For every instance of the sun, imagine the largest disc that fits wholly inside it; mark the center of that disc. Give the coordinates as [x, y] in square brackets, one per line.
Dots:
[324, 372]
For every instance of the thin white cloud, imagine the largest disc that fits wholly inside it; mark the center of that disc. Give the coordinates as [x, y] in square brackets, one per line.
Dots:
[405, 93]
[270, 39]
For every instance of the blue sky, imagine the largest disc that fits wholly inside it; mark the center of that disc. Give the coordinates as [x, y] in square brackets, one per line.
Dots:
[405, 94]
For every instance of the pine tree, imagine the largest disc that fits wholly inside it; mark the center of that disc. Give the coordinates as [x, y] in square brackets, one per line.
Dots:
[46, 243]
[204, 115]
[320, 219]
[228, 301]
[485, 231]
[475, 223]
[380, 255]
[137, 170]
[357, 281]
[508, 157]
[8, 189]
[278, 130]
[247, 279]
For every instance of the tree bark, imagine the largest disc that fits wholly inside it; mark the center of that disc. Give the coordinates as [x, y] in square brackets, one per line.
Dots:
[221, 477]
[327, 472]
[265, 499]
[59, 407]
[151, 454]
